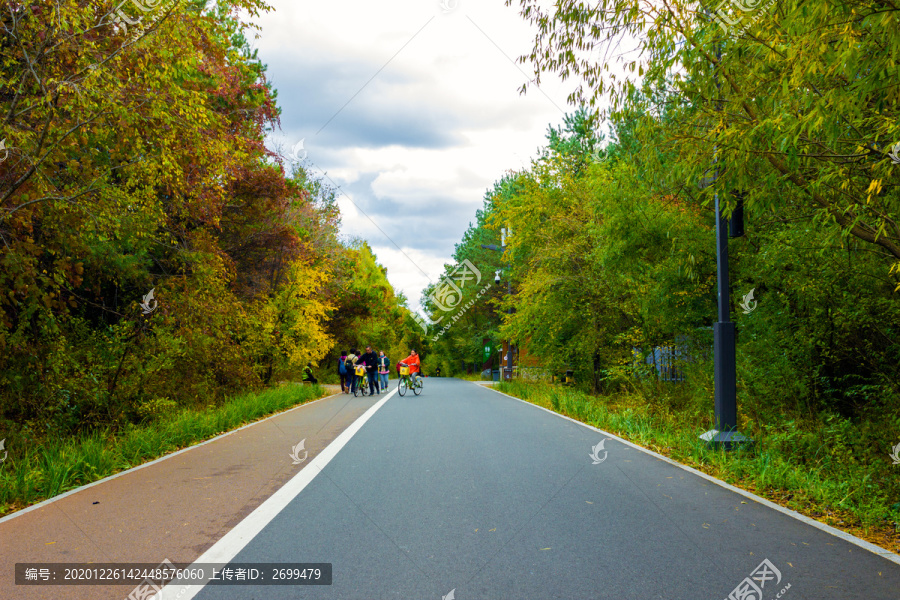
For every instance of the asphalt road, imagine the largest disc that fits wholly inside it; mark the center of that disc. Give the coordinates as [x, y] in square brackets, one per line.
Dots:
[464, 493]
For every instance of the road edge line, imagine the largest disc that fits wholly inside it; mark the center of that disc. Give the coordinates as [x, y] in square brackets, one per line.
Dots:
[847, 537]
[230, 544]
[48, 501]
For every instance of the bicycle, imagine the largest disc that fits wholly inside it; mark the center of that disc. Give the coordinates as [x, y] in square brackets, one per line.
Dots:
[405, 382]
[361, 381]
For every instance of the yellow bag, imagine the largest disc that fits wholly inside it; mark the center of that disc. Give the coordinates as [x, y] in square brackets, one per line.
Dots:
[404, 371]
[360, 371]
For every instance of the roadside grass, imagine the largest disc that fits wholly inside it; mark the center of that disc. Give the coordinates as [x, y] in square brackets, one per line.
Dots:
[829, 471]
[470, 377]
[54, 465]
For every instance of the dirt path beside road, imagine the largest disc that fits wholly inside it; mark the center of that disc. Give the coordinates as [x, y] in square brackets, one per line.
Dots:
[174, 508]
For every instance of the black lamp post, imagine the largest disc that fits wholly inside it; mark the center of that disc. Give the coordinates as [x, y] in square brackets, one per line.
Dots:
[725, 431]
[502, 248]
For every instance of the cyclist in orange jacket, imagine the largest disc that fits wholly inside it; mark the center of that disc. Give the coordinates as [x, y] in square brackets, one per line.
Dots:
[412, 361]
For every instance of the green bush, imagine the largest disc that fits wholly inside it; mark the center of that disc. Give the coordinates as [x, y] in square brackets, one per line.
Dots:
[40, 467]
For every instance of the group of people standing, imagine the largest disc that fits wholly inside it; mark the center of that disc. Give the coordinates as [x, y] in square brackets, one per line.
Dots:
[377, 369]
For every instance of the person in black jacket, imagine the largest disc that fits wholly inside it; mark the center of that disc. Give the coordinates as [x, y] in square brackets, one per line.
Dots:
[371, 361]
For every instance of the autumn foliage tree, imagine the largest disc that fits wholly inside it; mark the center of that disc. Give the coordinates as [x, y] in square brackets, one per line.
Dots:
[136, 161]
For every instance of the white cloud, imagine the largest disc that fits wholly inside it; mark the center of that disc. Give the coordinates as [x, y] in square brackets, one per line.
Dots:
[417, 146]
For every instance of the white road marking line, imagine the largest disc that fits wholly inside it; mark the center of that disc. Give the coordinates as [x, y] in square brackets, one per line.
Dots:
[235, 540]
[886, 554]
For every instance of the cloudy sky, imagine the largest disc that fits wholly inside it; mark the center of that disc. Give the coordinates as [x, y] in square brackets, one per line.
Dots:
[412, 109]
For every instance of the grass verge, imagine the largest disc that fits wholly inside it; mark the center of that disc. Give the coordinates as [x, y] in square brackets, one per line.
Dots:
[470, 377]
[53, 466]
[816, 473]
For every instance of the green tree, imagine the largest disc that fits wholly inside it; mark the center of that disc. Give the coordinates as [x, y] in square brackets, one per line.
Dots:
[803, 96]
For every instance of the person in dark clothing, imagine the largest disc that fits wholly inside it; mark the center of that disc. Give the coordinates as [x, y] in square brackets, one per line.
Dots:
[371, 360]
[308, 374]
[384, 369]
[342, 371]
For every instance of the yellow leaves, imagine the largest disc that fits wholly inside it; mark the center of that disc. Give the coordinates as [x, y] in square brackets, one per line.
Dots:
[873, 190]
[299, 315]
